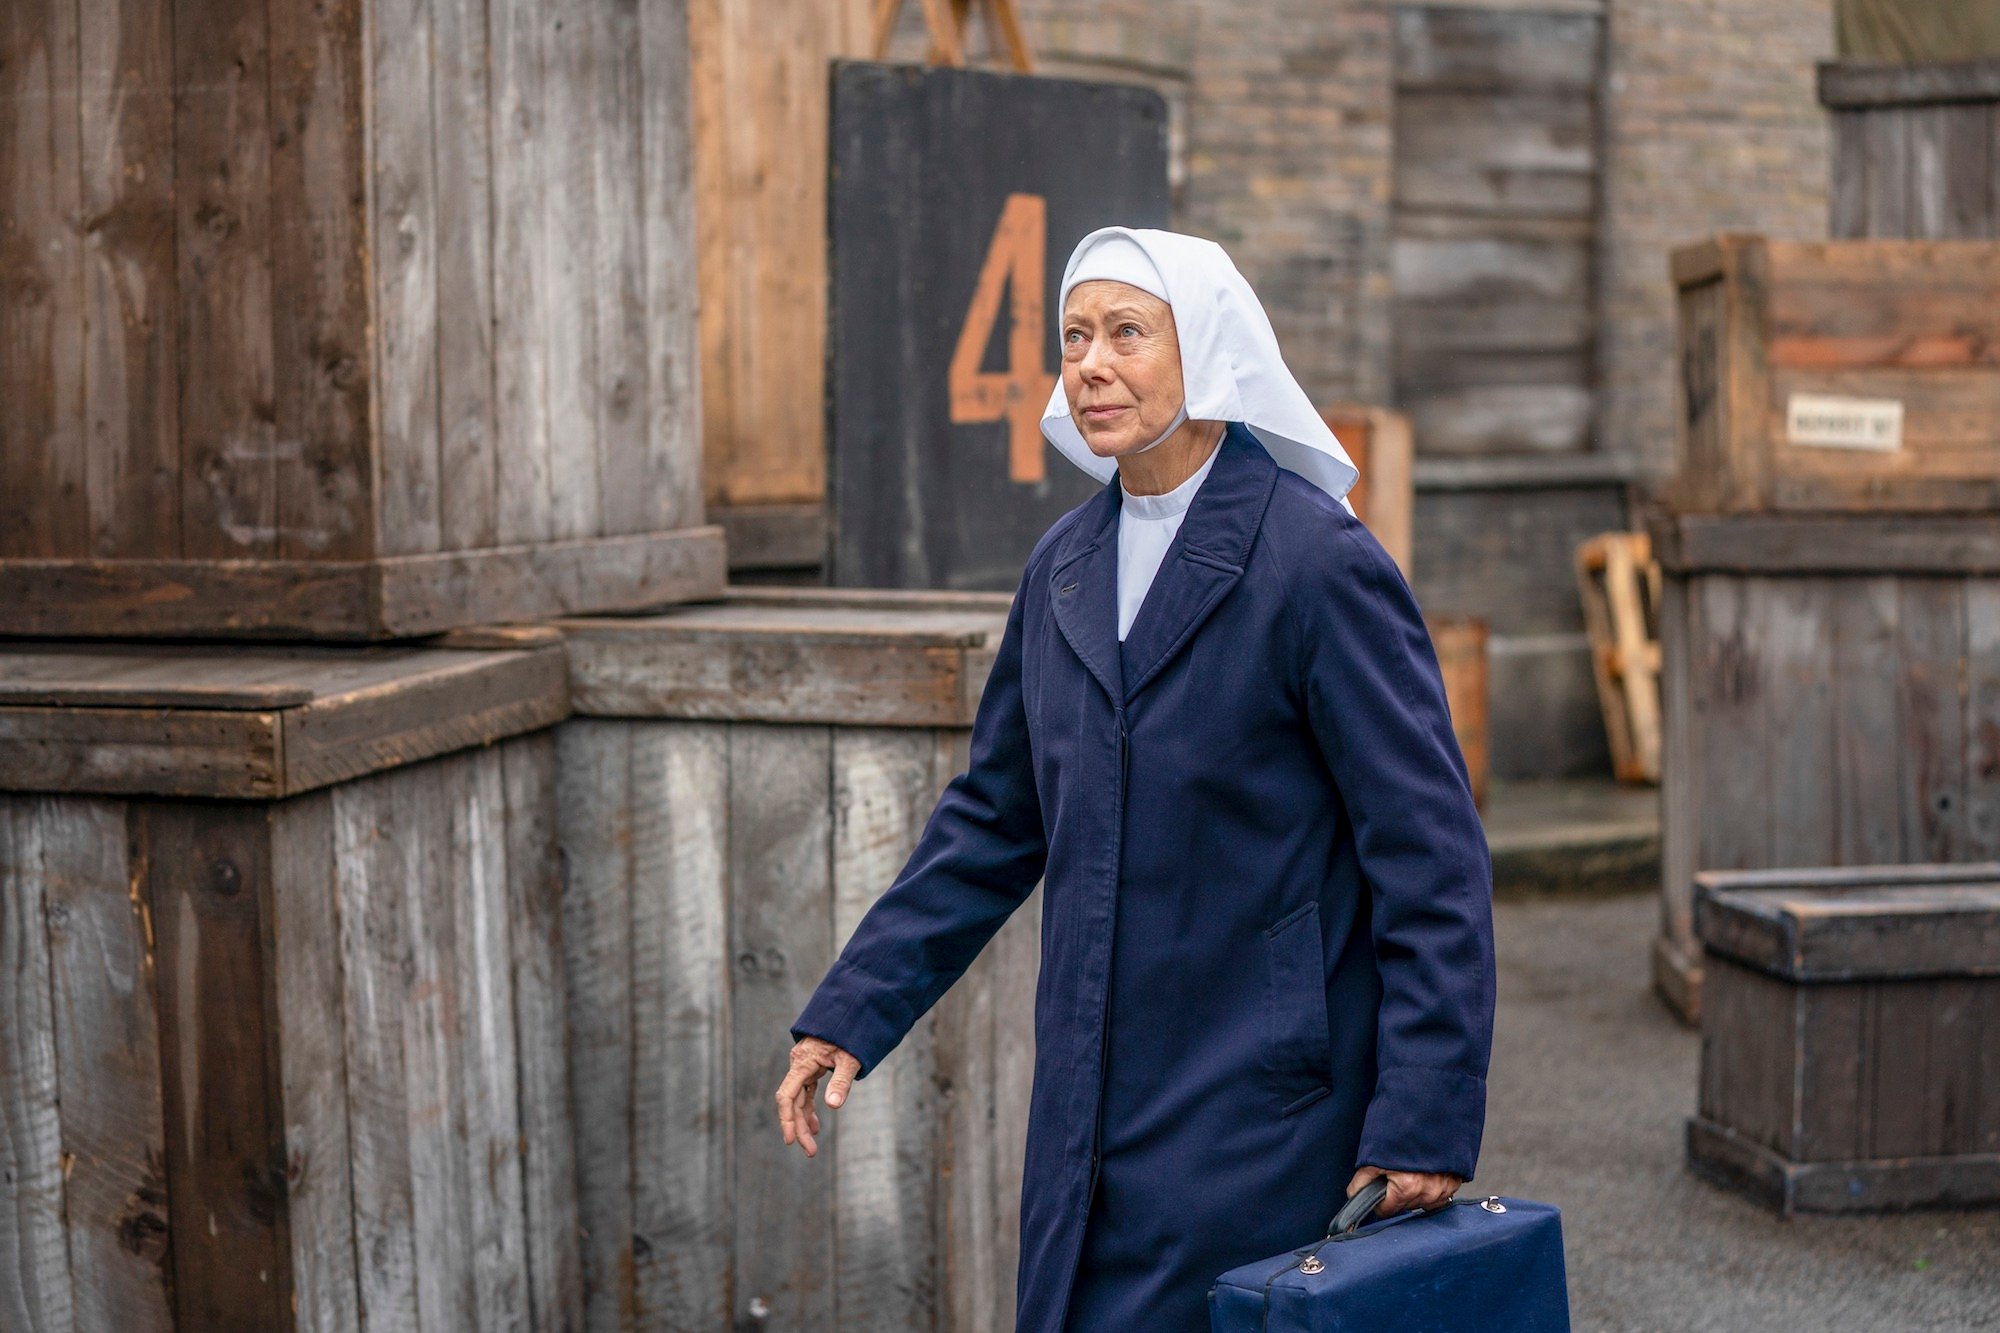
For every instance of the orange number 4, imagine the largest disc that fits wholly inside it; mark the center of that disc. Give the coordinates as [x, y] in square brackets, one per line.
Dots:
[1018, 394]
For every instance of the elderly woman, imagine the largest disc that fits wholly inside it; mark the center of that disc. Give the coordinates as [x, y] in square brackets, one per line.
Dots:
[1216, 731]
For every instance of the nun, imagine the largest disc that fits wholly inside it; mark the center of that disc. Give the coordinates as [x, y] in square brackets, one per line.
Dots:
[1215, 734]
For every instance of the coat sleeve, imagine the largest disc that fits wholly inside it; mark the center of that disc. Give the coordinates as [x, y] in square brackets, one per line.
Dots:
[1376, 703]
[979, 857]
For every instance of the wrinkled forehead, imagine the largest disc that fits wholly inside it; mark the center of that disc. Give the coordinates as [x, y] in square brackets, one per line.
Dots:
[1107, 296]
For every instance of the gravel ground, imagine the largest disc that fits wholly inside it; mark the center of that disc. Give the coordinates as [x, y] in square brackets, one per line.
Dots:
[1592, 1082]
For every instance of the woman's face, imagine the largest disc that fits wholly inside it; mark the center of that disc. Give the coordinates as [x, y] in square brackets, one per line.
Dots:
[1121, 366]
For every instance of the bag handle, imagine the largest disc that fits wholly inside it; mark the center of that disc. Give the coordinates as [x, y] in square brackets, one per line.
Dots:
[1357, 1209]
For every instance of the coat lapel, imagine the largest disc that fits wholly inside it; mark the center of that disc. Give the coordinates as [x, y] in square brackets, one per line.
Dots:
[1083, 589]
[1204, 562]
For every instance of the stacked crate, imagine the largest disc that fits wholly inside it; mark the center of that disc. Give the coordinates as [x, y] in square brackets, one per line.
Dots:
[1831, 546]
[347, 328]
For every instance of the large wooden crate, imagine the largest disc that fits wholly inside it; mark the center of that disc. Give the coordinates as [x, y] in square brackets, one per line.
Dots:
[1913, 147]
[1838, 376]
[282, 1038]
[345, 320]
[1848, 1057]
[743, 780]
[1830, 695]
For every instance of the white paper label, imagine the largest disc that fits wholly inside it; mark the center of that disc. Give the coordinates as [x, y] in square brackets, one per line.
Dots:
[1832, 422]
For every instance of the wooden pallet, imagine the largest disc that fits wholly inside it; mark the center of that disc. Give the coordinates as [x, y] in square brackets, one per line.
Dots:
[1620, 584]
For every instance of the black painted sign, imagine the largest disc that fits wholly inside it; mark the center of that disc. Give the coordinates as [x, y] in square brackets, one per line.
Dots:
[955, 199]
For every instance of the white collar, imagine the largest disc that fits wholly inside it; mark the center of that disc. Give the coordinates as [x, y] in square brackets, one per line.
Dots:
[1172, 502]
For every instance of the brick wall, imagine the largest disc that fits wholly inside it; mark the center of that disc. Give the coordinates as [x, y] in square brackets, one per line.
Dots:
[1711, 125]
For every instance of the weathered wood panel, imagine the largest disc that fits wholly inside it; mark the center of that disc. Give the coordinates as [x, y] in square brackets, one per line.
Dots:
[1913, 148]
[108, 1059]
[35, 1286]
[1494, 200]
[337, 287]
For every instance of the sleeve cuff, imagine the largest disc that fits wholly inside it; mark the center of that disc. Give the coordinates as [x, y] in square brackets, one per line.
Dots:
[857, 1013]
[1426, 1120]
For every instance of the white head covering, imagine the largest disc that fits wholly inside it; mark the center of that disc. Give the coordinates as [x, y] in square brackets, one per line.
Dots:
[1231, 369]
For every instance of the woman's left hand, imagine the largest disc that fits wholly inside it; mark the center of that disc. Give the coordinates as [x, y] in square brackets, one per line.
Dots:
[1407, 1189]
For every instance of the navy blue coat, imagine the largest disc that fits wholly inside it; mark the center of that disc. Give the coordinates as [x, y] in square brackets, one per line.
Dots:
[1267, 939]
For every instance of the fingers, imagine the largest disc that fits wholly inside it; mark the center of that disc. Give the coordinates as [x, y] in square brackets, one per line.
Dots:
[1407, 1189]
[845, 1067]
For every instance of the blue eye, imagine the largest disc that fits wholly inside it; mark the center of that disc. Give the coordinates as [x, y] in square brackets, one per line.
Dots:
[1132, 329]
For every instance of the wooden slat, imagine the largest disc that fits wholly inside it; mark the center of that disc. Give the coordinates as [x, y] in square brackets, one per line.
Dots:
[884, 787]
[131, 292]
[487, 1078]
[1822, 544]
[781, 928]
[434, 1022]
[1867, 83]
[671, 435]
[1747, 1075]
[371, 835]
[596, 811]
[617, 281]
[35, 1281]
[683, 1210]
[135, 751]
[1727, 662]
[1868, 753]
[568, 333]
[405, 257]
[108, 1060]
[1848, 184]
[206, 882]
[42, 480]
[1484, 48]
[534, 909]
[1799, 723]
[521, 260]
[319, 263]
[306, 930]
[467, 461]
[1981, 760]
[222, 193]
[1931, 648]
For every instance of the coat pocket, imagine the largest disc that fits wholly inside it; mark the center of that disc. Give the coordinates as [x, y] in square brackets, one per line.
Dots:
[1298, 1046]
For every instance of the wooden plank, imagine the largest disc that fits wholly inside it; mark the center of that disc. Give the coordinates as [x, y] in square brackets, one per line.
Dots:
[521, 259]
[1682, 746]
[534, 909]
[1868, 753]
[222, 228]
[1489, 269]
[1726, 618]
[1981, 761]
[885, 1210]
[1861, 84]
[1930, 706]
[403, 196]
[487, 1079]
[325, 479]
[1966, 544]
[1490, 418]
[568, 191]
[42, 480]
[1799, 723]
[1899, 1048]
[618, 167]
[781, 928]
[370, 837]
[683, 1212]
[130, 295]
[478, 697]
[1749, 1053]
[1885, 148]
[306, 932]
[1847, 212]
[1501, 131]
[205, 879]
[775, 536]
[433, 1018]
[108, 1065]
[596, 811]
[35, 1284]
[134, 751]
[461, 138]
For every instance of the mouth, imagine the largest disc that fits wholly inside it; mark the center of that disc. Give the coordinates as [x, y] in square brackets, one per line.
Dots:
[1103, 413]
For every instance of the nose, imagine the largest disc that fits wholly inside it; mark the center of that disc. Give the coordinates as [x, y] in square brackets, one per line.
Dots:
[1094, 361]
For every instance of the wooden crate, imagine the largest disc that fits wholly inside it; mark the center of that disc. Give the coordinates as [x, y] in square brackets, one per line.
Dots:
[283, 1041]
[1913, 148]
[1378, 440]
[1830, 695]
[1619, 583]
[743, 780]
[1838, 375]
[346, 320]
[1848, 1060]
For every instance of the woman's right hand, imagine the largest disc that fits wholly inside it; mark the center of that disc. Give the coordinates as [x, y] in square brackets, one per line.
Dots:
[812, 1057]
